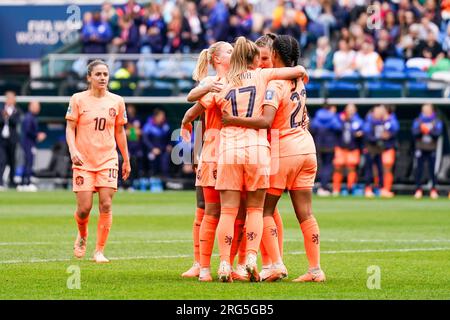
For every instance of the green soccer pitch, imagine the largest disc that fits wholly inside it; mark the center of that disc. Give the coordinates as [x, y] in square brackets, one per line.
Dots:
[150, 245]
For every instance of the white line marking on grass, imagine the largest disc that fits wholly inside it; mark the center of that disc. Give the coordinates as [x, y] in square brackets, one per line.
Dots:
[215, 255]
[4, 244]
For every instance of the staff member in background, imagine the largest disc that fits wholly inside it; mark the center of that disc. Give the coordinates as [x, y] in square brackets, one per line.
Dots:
[325, 127]
[426, 129]
[380, 130]
[30, 136]
[134, 137]
[392, 127]
[156, 139]
[347, 154]
[9, 137]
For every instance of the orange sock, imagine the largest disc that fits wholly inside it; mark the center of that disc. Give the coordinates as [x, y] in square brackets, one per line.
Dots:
[237, 238]
[243, 247]
[280, 229]
[82, 225]
[337, 180]
[265, 257]
[103, 227]
[207, 235]
[311, 238]
[388, 180]
[351, 179]
[199, 213]
[270, 239]
[225, 231]
[254, 229]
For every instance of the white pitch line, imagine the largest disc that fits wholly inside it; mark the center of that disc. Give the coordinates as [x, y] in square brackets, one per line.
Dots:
[4, 244]
[215, 255]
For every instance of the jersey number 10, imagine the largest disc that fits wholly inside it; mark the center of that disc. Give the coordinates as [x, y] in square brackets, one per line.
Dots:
[100, 124]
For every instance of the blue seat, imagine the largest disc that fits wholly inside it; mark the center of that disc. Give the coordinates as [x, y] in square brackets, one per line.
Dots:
[313, 89]
[421, 90]
[415, 73]
[342, 89]
[394, 64]
[384, 90]
[394, 75]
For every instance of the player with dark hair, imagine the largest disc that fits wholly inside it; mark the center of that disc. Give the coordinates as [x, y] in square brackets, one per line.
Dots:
[294, 163]
[95, 127]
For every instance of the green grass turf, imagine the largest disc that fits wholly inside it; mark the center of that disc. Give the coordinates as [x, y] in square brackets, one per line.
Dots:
[150, 243]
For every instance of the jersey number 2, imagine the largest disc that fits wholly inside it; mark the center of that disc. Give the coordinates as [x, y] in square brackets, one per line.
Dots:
[231, 95]
[296, 97]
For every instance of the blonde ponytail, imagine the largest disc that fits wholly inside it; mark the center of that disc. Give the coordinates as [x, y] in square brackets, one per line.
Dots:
[201, 69]
[244, 53]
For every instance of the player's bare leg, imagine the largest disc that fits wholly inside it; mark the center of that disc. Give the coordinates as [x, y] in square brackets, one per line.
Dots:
[84, 206]
[302, 202]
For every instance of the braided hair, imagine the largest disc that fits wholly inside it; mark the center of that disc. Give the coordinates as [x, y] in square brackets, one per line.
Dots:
[288, 49]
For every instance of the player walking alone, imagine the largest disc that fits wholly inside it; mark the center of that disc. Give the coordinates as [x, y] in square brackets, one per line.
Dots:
[95, 126]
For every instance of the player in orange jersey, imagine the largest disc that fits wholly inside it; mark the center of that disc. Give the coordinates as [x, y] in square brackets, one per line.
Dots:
[294, 162]
[244, 158]
[265, 44]
[95, 126]
[218, 56]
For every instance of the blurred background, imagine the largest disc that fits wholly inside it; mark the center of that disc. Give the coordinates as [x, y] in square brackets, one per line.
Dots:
[387, 61]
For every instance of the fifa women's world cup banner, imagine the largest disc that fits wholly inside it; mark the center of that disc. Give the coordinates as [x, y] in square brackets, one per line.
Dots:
[29, 32]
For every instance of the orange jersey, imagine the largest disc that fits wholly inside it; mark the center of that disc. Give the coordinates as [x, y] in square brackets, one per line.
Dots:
[291, 118]
[213, 124]
[96, 119]
[244, 101]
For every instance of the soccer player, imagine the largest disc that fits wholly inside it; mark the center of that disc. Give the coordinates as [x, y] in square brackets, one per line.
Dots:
[244, 159]
[392, 127]
[265, 44]
[206, 218]
[326, 127]
[426, 129]
[95, 126]
[380, 129]
[294, 162]
[347, 154]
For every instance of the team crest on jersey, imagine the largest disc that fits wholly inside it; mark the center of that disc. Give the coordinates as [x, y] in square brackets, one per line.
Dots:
[199, 174]
[79, 180]
[269, 94]
[215, 174]
[112, 112]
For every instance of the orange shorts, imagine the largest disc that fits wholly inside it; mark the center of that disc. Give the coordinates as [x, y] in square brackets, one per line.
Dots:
[93, 180]
[244, 169]
[388, 157]
[294, 173]
[206, 174]
[344, 157]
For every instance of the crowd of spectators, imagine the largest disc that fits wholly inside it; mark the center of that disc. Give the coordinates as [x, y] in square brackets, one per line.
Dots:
[343, 36]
